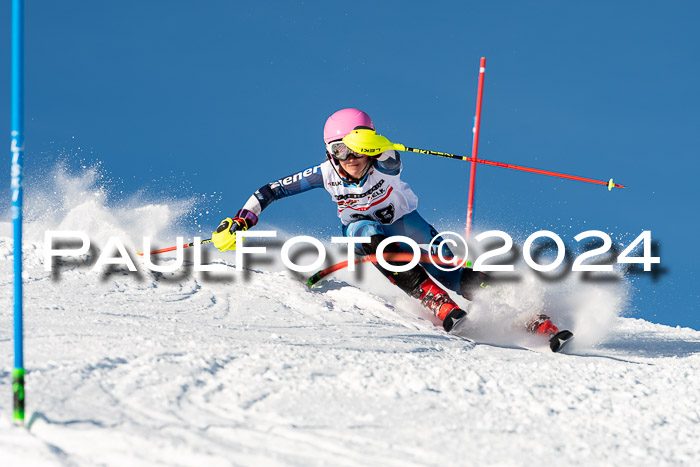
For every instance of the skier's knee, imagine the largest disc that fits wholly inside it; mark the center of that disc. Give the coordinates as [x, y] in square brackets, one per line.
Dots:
[374, 241]
[408, 281]
[471, 281]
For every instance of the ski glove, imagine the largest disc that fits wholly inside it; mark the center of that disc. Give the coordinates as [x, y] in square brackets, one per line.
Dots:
[225, 236]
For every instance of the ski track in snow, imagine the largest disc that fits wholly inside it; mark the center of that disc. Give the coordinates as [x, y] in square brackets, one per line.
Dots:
[255, 369]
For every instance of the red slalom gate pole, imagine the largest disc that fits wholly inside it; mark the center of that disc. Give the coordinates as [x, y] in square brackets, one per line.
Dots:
[171, 248]
[475, 145]
[424, 258]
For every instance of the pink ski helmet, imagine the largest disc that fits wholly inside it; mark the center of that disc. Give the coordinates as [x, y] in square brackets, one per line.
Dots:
[343, 122]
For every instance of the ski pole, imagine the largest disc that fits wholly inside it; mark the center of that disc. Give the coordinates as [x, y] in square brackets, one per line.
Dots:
[186, 245]
[368, 142]
[610, 184]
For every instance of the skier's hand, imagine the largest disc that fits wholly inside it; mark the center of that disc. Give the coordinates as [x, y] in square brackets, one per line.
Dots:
[225, 236]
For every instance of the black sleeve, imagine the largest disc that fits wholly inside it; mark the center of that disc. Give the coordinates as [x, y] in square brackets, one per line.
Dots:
[287, 186]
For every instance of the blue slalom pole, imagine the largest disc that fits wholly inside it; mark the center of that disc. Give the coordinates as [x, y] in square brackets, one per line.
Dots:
[17, 149]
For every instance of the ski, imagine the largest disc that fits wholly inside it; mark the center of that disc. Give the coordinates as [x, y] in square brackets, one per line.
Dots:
[559, 340]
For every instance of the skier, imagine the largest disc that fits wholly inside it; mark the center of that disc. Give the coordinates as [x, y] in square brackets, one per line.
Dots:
[372, 202]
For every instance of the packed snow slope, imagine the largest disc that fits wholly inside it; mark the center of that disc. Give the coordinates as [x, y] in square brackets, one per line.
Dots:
[254, 368]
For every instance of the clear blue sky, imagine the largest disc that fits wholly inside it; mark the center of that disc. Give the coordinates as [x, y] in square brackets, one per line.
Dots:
[225, 96]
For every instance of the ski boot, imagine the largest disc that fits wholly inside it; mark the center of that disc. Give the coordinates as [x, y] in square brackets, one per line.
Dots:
[542, 324]
[439, 302]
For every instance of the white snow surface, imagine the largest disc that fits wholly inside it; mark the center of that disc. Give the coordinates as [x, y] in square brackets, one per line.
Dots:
[253, 368]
